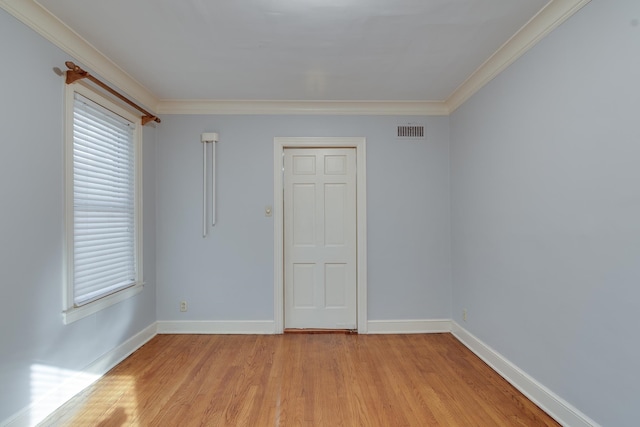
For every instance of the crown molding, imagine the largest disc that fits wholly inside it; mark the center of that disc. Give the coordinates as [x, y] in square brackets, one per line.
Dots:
[545, 21]
[371, 108]
[54, 30]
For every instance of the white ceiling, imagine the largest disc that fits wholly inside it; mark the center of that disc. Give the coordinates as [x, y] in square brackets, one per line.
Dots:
[334, 50]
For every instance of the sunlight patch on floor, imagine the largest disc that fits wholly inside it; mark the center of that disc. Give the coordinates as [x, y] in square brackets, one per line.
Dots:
[52, 386]
[114, 404]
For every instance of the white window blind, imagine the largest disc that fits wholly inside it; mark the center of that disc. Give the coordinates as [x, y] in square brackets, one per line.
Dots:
[104, 217]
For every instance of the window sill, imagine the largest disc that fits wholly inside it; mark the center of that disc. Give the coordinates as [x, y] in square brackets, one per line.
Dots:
[76, 313]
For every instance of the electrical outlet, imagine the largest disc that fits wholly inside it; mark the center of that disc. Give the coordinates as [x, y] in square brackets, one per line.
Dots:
[464, 314]
[183, 306]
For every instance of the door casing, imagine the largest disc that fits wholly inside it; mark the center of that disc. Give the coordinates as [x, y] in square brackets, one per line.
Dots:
[279, 144]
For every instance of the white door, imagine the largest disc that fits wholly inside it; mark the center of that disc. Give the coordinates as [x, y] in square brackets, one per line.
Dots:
[320, 238]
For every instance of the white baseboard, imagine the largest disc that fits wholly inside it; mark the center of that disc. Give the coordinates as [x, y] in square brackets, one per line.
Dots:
[78, 381]
[260, 327]
[561, 410]
[408, 326]
[268, 326]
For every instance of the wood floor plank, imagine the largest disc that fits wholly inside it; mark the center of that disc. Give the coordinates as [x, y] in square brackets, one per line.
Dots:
[301, 380]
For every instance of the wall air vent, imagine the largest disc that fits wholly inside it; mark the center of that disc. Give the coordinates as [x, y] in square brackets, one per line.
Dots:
[411, 132]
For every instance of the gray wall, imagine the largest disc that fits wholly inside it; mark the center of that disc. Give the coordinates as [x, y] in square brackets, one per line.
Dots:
[546, 212]
[32, 225]
[229, 275]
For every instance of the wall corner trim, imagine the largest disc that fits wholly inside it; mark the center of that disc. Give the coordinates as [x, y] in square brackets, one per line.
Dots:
[551, 403]
[545, 21]
[51, 28]
[257, 327]
[75, 383]
[414, 326]
[266, 107]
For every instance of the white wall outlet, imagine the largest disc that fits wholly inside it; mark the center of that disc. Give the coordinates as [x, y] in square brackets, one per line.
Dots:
[183, 306]
[464, 314]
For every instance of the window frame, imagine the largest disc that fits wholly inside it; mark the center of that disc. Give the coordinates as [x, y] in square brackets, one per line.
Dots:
[71, 311]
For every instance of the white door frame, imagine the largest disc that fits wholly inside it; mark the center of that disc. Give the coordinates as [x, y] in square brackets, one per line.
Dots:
[279, 144]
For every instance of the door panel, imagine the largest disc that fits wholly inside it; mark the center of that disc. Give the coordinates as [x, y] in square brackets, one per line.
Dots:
[335, 209]
[303, 280]
[335, 276]
[320, 238]
[303, 212]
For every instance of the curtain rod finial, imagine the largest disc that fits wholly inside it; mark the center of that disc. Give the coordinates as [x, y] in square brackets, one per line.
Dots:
[149, 119]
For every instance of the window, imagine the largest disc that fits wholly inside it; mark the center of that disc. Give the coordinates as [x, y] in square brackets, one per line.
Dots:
[103, 227]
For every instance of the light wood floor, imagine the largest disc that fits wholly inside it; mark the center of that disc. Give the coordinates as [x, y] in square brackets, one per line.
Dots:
[301, 380]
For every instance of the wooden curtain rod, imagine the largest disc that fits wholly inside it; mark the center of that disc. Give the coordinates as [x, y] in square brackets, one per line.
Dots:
[76, 73]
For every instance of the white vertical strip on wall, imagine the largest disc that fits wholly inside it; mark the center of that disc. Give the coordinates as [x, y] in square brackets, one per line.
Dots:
[204, 189]
[103, 201]
[208, 138]
[213, 183]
